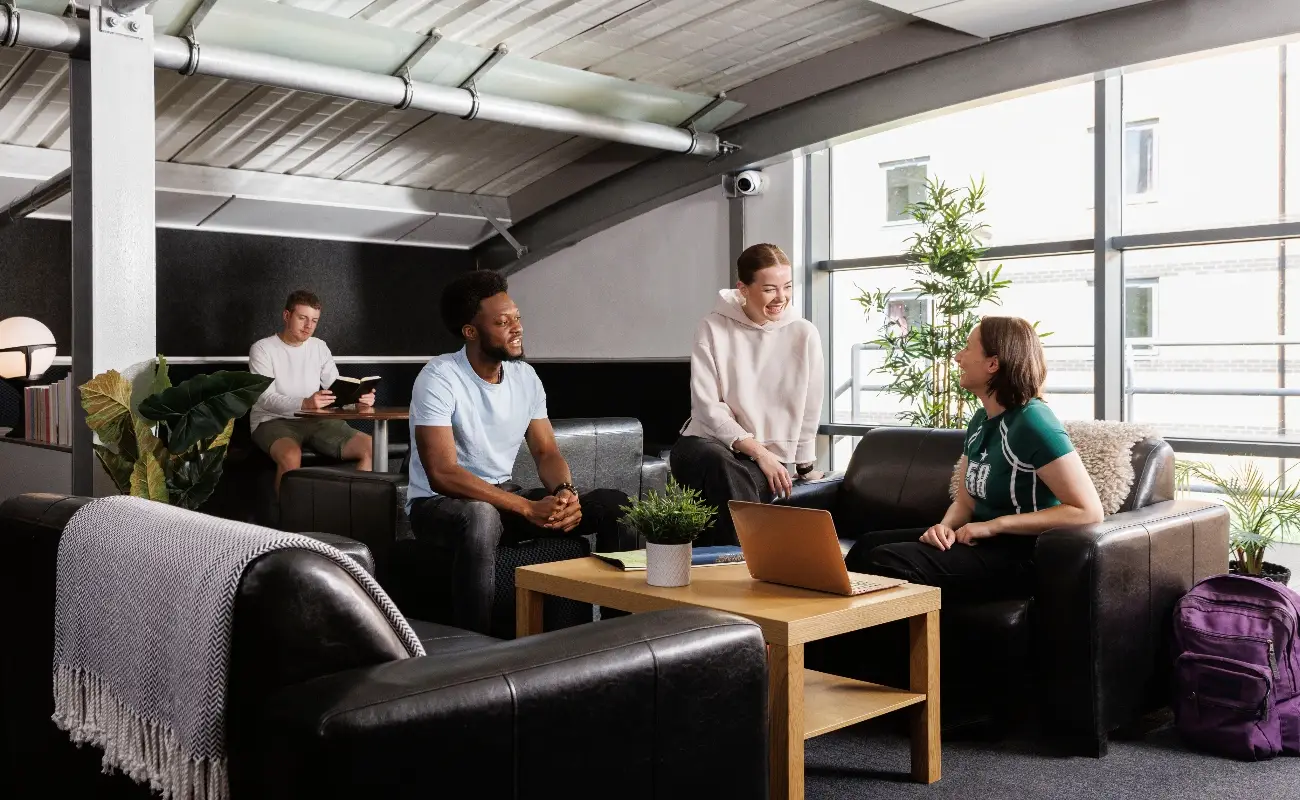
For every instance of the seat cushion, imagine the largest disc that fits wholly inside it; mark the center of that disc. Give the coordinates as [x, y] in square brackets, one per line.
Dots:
[444, 639]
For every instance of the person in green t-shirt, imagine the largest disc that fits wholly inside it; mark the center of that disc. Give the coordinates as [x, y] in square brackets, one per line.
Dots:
[1021, 477]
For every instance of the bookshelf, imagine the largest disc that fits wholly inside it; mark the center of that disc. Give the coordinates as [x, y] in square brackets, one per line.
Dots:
[27, 466]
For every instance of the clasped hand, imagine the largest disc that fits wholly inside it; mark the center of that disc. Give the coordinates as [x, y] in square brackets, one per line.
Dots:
[943, 538]
[561, 512]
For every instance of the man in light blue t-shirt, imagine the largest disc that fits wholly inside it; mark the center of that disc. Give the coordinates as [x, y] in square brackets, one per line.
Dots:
[470, 412]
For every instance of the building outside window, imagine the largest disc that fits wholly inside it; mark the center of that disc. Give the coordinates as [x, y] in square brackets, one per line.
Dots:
[904, 185]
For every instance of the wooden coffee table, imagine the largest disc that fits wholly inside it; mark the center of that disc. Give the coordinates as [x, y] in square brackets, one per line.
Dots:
[803, 703]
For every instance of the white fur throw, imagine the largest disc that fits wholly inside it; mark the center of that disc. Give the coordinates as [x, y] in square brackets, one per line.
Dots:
[1106, 449]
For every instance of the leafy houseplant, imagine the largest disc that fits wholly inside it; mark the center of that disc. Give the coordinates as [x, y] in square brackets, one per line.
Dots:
[1261, 512]
[944, 258]
[670, 522]
[172, 447]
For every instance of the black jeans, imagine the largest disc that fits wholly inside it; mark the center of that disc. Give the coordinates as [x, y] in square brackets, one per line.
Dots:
[719, 474]
[995, 569]
[473, 530]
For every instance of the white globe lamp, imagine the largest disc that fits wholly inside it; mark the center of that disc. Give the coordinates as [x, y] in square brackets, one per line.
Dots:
[27, 349]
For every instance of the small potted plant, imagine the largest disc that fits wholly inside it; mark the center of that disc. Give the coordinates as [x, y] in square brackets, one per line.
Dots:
[1262, 511]
[670, 522]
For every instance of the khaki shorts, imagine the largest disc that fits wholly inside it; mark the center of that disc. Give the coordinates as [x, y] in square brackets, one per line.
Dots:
[325, 436]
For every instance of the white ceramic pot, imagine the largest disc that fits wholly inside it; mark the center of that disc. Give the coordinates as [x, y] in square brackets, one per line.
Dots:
[668, 564]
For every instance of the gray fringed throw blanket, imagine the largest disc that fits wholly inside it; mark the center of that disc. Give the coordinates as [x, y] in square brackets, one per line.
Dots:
[142, 636]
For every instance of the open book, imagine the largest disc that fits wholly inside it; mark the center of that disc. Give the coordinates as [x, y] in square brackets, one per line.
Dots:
[347, 390]
[631, 560]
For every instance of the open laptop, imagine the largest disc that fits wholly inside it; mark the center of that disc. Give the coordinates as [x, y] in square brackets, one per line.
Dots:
[798, 547]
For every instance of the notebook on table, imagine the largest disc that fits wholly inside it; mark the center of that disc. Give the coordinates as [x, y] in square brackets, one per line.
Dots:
[631, 560]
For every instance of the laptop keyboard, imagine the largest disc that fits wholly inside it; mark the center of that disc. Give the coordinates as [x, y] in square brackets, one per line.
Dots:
[864, 585]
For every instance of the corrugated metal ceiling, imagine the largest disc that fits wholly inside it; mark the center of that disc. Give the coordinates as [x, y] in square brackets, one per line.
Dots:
[702, 47]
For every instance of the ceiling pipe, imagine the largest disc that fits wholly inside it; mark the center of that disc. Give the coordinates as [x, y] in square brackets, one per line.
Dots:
[128, 6]
[190, 57]
[39, 197]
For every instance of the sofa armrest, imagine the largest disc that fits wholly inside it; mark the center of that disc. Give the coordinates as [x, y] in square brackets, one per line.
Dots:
[1104, 597]
[822, 494]
[365, 506]
[654, 475]
[577, 712]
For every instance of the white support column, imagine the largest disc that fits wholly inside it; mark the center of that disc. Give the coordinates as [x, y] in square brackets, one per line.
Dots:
[113, 280]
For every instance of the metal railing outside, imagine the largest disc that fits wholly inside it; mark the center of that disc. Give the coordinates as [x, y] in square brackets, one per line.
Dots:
[1130, 389]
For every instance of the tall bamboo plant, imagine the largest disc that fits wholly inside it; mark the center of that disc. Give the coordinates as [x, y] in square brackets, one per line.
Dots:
[944, 259]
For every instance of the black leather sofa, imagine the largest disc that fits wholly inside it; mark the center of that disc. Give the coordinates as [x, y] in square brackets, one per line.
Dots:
[323, 703]
[1088, 649]
[368, 507]
[246, 491]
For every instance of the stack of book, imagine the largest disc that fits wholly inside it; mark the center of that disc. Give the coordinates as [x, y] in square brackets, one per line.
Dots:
[48, 412]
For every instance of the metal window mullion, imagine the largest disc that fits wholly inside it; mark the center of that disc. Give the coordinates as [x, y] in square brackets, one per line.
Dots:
[817, 282]
[1108, 272]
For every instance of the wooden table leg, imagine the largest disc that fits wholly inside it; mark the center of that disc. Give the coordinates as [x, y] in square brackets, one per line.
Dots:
[926, 760]
[528, 612]
[785, 721]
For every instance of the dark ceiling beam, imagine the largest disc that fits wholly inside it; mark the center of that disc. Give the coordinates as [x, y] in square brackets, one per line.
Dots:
[890, 50]
[1081, 47]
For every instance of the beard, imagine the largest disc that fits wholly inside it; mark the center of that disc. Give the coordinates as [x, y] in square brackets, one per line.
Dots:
[500, 353]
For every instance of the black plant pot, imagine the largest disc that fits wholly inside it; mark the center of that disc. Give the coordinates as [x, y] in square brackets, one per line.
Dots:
[1272, 572]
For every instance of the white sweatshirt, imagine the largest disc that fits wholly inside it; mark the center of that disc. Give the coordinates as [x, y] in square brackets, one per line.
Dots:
[760, 381]
[299, 373]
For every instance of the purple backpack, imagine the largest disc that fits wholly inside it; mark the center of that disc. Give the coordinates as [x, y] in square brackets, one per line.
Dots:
[1237, 668]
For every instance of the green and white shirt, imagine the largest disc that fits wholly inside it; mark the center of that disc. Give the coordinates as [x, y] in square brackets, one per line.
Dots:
[1004, 454]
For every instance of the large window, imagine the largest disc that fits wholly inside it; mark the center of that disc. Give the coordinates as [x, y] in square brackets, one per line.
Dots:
[1207, 191]
[1215, 139]
[1053, 291]
[1027, 150]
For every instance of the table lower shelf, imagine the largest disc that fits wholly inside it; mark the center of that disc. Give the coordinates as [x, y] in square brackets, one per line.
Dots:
[831, 702]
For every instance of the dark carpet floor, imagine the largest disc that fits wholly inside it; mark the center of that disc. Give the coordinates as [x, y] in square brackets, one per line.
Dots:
[866, 762]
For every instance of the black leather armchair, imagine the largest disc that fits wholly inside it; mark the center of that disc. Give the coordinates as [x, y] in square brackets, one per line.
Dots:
[324, 703]
[1088, 648]
[369, 507]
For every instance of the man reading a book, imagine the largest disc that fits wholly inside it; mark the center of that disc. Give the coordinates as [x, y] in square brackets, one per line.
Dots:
[303, 369]
[470, 412]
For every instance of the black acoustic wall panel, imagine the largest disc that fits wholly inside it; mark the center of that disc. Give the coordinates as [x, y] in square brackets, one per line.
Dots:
[220, 292]
[36, 275]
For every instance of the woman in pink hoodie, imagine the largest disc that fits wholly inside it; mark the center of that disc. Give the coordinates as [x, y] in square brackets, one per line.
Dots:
[756, 393]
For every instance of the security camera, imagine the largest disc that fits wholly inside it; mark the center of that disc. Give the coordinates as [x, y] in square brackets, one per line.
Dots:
[748, 183]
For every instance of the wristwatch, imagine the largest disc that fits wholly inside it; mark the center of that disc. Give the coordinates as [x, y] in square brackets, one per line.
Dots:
[566, 485]
[804, 469]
